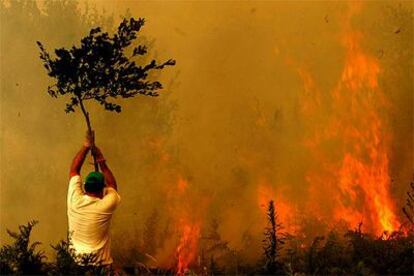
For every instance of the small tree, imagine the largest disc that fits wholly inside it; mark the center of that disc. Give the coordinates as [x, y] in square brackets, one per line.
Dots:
[408, 209]
[102, 67]
[272, 242]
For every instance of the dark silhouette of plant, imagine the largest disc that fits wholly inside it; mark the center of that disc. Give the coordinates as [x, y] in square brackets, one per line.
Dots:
[64, 257]
[21, 257]
[388, 254]
[408, 209]
[215, 251]
[101, 68]
[214, 242]
[68, 262]
[331, 258]
[295, 254]
[273, 242]
[359, 242]
[213, 268]
[357, 254]
[312, 254]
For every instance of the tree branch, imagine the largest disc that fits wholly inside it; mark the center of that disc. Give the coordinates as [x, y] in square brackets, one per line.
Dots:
[88, 123]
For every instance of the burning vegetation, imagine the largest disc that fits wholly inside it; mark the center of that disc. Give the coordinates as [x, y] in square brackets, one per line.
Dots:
[356, 179]
[236, 208]
[354, 252]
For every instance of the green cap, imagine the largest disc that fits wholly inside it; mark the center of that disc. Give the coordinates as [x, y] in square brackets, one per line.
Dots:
[94, 182]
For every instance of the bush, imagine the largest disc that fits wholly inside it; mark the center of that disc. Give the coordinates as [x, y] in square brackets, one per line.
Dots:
[21, 257]
[355, 253]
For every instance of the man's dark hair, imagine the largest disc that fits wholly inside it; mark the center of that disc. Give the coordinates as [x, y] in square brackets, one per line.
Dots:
[95, 182]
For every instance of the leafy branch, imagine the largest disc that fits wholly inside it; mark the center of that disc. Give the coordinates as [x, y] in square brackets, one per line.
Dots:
[102, 68]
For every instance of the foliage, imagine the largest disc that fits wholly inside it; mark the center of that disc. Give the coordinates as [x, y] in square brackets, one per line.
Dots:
[408, 209]
[65, 261]
[101, 68]
[21, 257]
[354, 253]
[312, 260]
[64, 257]
[216, 252]
[391, 253]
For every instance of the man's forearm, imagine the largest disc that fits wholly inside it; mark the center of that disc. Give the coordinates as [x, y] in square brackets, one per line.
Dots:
[109, 177]
[78, 161]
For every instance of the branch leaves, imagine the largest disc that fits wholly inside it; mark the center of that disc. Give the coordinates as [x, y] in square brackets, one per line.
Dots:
[99, 68]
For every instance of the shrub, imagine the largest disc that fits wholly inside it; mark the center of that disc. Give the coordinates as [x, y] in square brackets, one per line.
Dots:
[21, 257]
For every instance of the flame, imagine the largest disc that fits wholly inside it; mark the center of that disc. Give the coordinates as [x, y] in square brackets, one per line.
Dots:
[187, 247]
[286, 213]
[188, 229]
[357, 178]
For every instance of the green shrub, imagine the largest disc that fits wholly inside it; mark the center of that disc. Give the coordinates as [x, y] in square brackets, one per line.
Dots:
[21, 257]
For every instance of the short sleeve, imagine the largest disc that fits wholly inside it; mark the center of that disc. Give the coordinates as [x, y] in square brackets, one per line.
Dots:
[75, 188]
[110, 200]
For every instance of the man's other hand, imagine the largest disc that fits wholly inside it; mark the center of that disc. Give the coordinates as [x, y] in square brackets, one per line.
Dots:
[98, 154]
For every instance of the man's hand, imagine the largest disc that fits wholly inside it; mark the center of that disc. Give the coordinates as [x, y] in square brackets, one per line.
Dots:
[98, 154]
[77, 162]
[109, 177]
[90, 139]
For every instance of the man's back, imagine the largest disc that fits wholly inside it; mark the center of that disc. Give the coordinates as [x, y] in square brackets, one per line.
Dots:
[89, 220]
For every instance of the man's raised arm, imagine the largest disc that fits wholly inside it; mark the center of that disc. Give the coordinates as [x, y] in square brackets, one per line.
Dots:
[109, 177]
[80, 157]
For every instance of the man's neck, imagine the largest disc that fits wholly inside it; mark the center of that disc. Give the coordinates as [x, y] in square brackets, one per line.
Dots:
[98, 195]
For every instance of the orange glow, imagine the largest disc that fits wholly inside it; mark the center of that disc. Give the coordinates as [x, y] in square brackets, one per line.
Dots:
[311, 93]
[357, 180]
[182, 185]
[187, 247]
[365, 164]
[188, 228]
[284, 210]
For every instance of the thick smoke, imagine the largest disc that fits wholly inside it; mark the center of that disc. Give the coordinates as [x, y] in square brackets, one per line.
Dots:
[227, 134]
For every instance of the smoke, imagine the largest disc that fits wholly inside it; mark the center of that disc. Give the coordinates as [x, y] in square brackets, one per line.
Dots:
[228, 133]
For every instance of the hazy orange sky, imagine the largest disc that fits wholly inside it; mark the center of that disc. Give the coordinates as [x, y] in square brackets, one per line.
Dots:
[228, 123]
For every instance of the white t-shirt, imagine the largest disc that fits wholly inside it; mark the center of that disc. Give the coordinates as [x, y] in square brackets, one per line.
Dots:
[89, 220]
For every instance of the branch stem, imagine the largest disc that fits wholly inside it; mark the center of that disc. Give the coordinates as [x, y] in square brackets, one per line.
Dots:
[88, 123]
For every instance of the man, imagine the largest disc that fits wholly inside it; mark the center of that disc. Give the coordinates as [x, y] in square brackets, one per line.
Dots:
[90, 210]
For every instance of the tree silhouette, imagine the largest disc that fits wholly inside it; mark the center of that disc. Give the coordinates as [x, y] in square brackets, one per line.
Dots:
[273, 242]
[102, 67]
[408, 209]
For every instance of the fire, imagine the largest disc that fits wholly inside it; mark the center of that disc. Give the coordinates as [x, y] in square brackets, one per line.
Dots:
[188, 229]
[284, 210]
[365, 163]
[357, 178]
[187, 247]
